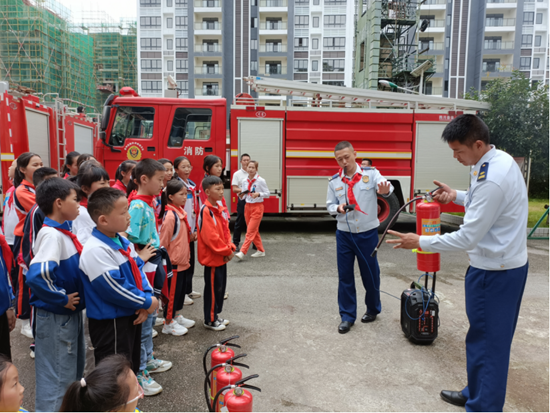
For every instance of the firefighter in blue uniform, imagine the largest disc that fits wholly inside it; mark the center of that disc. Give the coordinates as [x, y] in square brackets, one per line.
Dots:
[493, 234]
[356, 234]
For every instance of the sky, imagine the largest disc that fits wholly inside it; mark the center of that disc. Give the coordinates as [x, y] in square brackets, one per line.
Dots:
[116, 9]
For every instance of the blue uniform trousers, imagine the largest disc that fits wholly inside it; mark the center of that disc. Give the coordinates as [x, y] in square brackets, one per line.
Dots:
[347, 250]
[493, 299]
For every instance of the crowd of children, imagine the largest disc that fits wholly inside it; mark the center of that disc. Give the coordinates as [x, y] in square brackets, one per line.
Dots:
[86, 256]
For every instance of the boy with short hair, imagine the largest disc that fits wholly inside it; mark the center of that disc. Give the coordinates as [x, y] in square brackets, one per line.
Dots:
[57, 294]
[215, 250]
[118, 295]
[148, 175]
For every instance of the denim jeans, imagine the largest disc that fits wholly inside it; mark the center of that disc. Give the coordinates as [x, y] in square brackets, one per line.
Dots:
[60, 357]
[147, 340]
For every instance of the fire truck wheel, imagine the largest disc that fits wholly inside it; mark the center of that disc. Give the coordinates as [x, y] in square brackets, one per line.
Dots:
[387, 207]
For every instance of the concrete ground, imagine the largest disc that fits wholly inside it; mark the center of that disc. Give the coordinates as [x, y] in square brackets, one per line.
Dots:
[284, 308]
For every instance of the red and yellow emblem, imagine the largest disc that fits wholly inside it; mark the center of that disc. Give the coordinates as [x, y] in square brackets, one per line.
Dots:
[133, 153]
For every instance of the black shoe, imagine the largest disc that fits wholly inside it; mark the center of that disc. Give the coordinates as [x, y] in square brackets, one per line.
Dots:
[367, 318]
[344, 327]
[454, 397]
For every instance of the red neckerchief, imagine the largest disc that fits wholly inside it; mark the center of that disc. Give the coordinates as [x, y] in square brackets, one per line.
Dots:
[84, 202]
[135, 269]
[6, 253]
[132, 196]
[219, 212]
[67, 175]
[73, 237]
[176, 209]
[356, 178]
[119, 185]
[148, 199]
[250, 183]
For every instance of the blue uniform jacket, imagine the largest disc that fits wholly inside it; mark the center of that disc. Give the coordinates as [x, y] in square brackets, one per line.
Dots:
[6, 292]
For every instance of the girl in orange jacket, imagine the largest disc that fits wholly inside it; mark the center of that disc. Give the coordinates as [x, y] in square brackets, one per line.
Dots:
[175, 234]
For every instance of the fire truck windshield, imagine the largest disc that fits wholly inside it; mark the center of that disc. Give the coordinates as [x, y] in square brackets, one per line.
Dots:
[132, 122]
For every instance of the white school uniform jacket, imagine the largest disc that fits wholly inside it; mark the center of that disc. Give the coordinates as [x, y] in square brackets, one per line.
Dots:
[258, 186]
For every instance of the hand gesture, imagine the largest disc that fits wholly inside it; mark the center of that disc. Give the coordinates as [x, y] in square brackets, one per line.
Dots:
[384, 188]
[340, 209]
[193, 237]
[445, 193]
[229, 257]
[141, 316]
[11, 319]
[146, 253]
[154, 305]
[255, 195]
[74, 300]
[407, 241]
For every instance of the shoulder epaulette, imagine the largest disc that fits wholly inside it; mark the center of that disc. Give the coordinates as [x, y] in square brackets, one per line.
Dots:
[368, 168]
[333, 177]
[483, 171]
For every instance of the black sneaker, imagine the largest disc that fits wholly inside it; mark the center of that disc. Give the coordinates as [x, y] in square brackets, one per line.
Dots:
[216, 326]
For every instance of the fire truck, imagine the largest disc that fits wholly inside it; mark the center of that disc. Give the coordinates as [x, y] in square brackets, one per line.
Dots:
[51, 129]
[293, 139]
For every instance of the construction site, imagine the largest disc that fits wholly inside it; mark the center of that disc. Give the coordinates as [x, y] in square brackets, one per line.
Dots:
[43, 50]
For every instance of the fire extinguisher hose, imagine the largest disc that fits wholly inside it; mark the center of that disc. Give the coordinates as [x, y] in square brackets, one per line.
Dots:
[225, 342]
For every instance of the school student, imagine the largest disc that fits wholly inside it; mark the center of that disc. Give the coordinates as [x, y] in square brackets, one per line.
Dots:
[7, 312]
[123, 174]
[24, 199]
[111, 387]
[9, 218]
[215, 249]
[83, 158]
[118, 295]
[183, 169]
[148, 177]
[175, 233]
[90, 178]
[169, 166]
[70, 168]
[11, 389]
[58, 295]
[254, 191]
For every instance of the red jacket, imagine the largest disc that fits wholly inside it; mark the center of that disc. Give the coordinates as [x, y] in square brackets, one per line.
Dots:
[214, 238]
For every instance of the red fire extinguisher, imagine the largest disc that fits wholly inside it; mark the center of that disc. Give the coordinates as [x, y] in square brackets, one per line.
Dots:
[222, 375]
[235, 397]
[428, 222]
[221, 354]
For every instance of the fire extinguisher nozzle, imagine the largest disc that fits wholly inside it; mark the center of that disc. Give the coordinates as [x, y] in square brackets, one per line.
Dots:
[374, 252]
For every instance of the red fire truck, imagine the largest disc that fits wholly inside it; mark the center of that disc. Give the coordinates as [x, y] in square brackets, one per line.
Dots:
[293, 139]
[49, 129]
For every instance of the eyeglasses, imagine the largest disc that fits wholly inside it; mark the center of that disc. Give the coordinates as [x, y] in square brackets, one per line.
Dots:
[140, 393]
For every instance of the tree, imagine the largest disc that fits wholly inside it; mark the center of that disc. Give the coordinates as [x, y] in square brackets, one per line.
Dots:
[518, 122]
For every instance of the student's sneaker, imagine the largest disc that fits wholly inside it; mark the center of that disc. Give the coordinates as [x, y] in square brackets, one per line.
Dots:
[194, 294]
[187, 301]
[26, 329]
[150, 387]
[184, 321]
[226, 296]
[216, 326]
[159, 321]
[223, 321]
[156, 365]
[174, 328]
[239, 255]
[32, 347]
[258, 254]
[155, 333]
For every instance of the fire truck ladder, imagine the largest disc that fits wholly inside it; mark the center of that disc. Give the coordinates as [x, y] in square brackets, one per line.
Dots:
[60, 130]
[340, 96]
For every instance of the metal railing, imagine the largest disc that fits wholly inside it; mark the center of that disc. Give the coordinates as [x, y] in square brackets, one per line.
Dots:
[273, 25]
[207, 3]
[273, 47]
[207, 26]
[208, 47]
[431, 45]
[433, 91]
[273, 3]
[207, 92]
[496, 68]
[272, 70]
[501, 1]
[498, 45]
[428, 2]
[500, 22]
[436, 23]
[208, 70]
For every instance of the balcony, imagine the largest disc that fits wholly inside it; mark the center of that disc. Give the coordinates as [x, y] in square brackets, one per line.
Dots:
[208, 48]
[273, 25]
[207, 92]
[434, 5]
[502, 4]
[500, 23]
[496, 68]
[273, 48]
[431, 45]
[499, 45]
[208, 70]
[434, 91]
[207, 27]
[436, 25]
[273, 3]
[207, 3]
[432, 2]
[272, 70]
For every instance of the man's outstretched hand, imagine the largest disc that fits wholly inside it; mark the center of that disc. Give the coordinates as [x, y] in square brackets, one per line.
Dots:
[408, 241]
[445, 193]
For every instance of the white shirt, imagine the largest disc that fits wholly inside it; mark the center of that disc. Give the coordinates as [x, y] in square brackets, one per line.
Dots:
[239, 177]
[83, 225]
[495, 222]
[259, 186]
[365, 195]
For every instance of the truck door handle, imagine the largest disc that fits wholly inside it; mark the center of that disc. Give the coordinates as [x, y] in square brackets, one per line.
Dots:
[151, 149]
[208, 149]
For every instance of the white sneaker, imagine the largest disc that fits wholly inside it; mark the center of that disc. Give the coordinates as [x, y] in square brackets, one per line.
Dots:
[216, 326]
[240, 256]
[194, 294]
[223, 321]
[150, 387]
[187, 300]
[226, 296]
[155, 333]
[159, 321]
[158, 366]
[26, 329]
[181, 320]
[174, 328]
[32, 354]
[258, 254]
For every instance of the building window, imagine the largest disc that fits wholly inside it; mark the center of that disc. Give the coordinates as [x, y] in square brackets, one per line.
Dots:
[447, 41]
[538, 41]
[149, 3]
[333, 65]
[254, 44]
[315, 44]
[254, 2]
[335, 20]
[169, 23]
[493, 43]
[525, 63]
[315, 66]
[147, 22]
[316, 22]
[300, 65]
[181, 22]
[428, 88]
[169, 3]
[273, 68]
[151, 86]
[334, 43]
[301, 22]
[491, 65]
[316, 2]
[539, 18]
[426, 43]
[446, 64]
[333, 83]
[183, 86]
[448, 22]
[335, 2]
[526, 40]
[254, 65]
[492, 20]
[301, 1]
[151, 43]
[254, 22]
[182, 65]
[362, 56]
[536, 63]
[528, 17]
[181, 3]
[170, 65]
[169, 44]
[181, 43]
[151, 65]
[301, 43]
